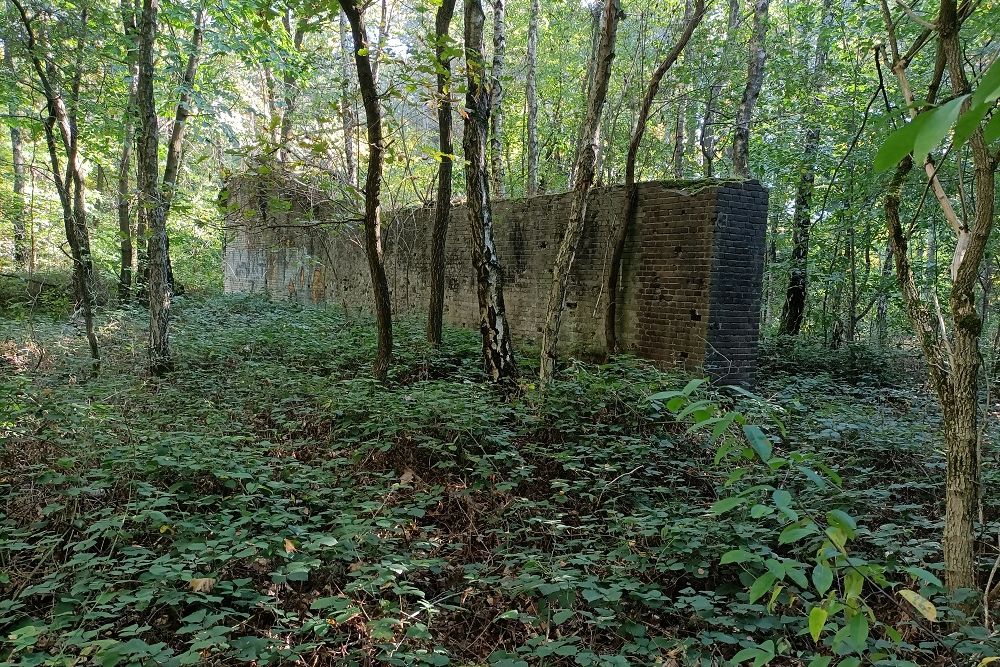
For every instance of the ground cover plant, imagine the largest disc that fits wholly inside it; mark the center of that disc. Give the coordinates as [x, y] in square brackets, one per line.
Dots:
[269, 503]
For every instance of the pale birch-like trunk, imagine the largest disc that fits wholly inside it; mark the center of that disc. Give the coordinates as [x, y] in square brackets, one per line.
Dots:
[496, 100]
[531, 92]
[498, 351]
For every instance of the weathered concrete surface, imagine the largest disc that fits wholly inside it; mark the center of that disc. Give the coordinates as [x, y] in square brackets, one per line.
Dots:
[691, 277]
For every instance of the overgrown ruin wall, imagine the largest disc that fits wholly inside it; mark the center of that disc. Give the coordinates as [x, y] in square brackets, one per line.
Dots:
[691, 275]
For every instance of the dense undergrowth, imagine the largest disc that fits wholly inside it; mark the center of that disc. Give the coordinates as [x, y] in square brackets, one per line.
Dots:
[269, 503]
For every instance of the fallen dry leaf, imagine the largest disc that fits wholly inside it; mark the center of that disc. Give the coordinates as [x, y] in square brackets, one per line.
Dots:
[202, 585]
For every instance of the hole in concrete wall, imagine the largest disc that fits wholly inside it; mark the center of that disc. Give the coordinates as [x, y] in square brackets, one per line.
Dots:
[695, 315]
[678, 250]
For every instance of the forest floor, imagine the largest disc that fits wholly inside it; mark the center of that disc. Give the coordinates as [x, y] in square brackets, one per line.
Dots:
[269, 503]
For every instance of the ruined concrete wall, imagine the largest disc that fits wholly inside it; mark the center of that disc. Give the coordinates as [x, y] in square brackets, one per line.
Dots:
[691, 274]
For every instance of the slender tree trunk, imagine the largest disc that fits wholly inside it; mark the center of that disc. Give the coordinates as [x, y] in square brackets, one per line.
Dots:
[954, 367]
[124, 193]
[677, 154]
[793, 311]
[151, 196]
[61, 128]
[585, 163]
[498, 352]
[628, 215]
[346, 105]
[755, 79]
[596, 12]
[532, 95]
[882, 301]
[17, 157]
[442, 205]
[707, 141]
[496, 110]
[373, 186]
[962, 483]
[296, 32]
[175, 146]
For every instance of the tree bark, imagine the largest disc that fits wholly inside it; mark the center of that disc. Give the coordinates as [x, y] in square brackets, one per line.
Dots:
[347, 118]
[793, 310]
[628, 215]
[707, 141]
[124, 191]
[151, 196]
[532, 101]
[175, 146]
[953, 364]
[584, 166]
[498, 351]
[496, 98]
[61, 129]
[755, 79]
[442, 205]
[373, 186]
[17, 158]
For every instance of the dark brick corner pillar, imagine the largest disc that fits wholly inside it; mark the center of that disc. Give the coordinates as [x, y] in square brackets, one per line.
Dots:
[735, 282]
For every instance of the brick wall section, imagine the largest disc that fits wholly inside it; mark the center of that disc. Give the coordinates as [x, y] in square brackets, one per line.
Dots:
[691, 274]
[737, 273]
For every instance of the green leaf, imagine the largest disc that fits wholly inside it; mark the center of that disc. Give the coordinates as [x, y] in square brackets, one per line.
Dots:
[898, 145]
[817, 620]
[992, 130]
[968, 123]
[781, 498]
[738, 556]
[821, 661]
[923, 575]
[920, 603]
[726, 504]
[934, 129]
[761, 586]
[759, 441]
[822, 577]
[988, 88]
[842, 520]
[796, 532]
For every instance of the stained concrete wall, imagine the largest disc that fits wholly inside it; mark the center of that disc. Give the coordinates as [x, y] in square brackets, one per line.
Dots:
[691, 275]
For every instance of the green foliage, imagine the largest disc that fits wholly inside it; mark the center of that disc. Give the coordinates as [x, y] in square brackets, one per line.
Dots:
[268, 502]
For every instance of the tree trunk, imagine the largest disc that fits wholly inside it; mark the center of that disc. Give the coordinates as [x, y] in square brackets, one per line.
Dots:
[346, 107]
[442, 205]
[707, 140]
[61, 127]
[584, 165]
[296, 33]
[628, 215]
[882, 301]
[532, 101]
[755, 79]
[17, 157]
[373, 187]
[677, 154]
[498, 352]
[793, 311]
[124, 192]
[151, 196]
[496, 98]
